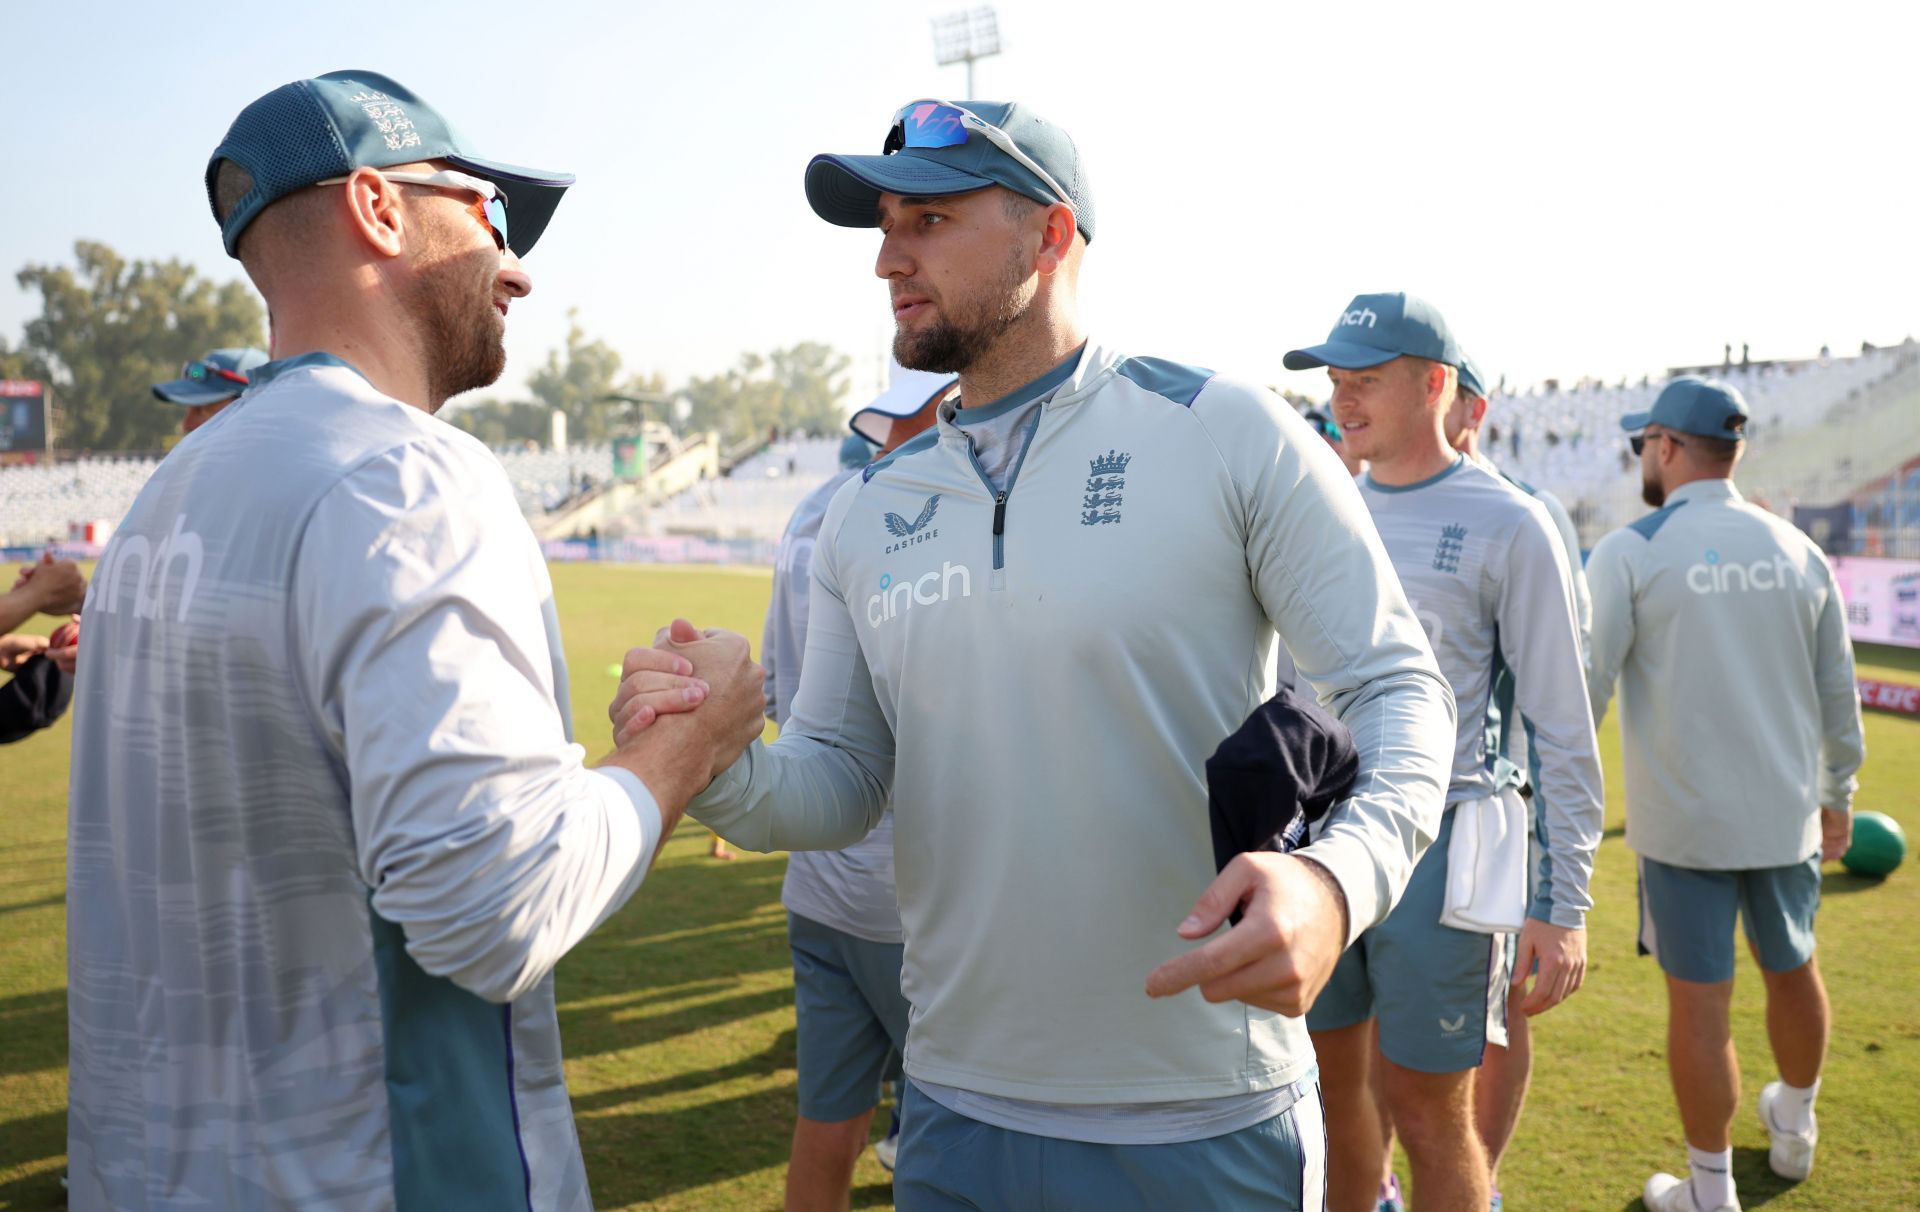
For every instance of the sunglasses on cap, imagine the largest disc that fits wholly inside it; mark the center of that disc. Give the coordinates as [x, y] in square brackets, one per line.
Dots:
[202, 372]
[933, 123]
[490, 207]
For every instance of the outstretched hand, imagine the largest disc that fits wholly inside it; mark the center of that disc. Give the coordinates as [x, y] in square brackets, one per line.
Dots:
[653, 683]
[1281, 955]
[17, 650]
[54, 586]
[735, 706]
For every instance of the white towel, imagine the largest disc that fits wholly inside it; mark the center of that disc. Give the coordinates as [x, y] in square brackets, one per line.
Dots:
[1487, 865]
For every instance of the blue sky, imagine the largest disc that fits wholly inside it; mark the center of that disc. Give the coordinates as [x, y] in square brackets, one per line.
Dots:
[1581, 189]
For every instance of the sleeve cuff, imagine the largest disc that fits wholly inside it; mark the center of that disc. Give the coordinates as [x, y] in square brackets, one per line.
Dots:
[646, 811]
[1357, 873]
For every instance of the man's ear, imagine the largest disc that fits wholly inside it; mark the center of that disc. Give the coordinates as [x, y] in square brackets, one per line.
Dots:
[374, 212]
[1479, 410]
[1059, 228]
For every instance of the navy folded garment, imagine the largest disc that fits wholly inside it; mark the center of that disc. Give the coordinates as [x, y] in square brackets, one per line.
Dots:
[34, 699]
[1285, 768]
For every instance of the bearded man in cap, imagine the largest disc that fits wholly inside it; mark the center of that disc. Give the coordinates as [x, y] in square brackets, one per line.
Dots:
[329, 835]
[1031, 625]
[1740, 731]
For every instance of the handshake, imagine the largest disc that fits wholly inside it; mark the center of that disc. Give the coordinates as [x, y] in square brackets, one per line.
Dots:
[685, 710]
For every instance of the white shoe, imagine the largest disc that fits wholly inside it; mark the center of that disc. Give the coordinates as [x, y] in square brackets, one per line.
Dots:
[886, 1151]
[1792, 1154]
[1665, 1193]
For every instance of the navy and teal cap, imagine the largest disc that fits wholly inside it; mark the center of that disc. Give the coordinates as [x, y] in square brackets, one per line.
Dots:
[221, 375]
[1470, 380]
[313, 130]
[855, 451]
[1707, 408]
[1375, 329]
[845, 189]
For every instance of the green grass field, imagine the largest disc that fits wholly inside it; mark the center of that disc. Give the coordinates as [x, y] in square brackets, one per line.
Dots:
[679, 1024]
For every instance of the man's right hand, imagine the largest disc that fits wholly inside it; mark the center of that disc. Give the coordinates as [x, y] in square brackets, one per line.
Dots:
[677, 755]
[54, 587]
[17, 650]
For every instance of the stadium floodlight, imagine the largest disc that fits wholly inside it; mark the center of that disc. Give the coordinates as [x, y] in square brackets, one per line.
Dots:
[964, 37]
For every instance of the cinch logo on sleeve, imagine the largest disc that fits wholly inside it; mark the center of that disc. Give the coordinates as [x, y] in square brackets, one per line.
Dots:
[1358, 316]
[897, 597]
[1711, 575]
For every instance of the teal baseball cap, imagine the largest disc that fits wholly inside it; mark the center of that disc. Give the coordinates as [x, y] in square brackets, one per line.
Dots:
[221, 375]
[1470, 380]
[1707, 408]
[935, 148]
[313, 130]
[1375, 329]
[855, 451]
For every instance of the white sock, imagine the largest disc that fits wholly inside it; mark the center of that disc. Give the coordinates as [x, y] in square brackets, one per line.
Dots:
[1712, 1175]
[1793, 1108]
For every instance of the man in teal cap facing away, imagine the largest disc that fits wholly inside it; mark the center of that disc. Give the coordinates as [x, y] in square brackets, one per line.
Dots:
[1029, 627]
[1740, 729]
[1487, 576]
[328, 832]
[207, 385]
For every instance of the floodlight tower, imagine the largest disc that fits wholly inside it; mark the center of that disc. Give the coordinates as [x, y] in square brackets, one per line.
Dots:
[965, 36]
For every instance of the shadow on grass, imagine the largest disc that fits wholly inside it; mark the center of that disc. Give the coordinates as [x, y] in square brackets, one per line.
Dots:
[707, 1143]
[780, 1055]
[1833, 883]
[24, 1142]
[591, 1032]
[44, 903]
[33, 1032]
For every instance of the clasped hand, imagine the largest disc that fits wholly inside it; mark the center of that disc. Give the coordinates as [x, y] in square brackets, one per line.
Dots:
[685, 710]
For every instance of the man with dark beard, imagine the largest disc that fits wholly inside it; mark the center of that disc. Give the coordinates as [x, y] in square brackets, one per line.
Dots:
[1740, 724]
[1033, 624]
[328, 833]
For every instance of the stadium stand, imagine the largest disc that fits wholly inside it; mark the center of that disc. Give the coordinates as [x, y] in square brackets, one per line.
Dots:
[1826, 432]
[1808, 438]
[757, 497]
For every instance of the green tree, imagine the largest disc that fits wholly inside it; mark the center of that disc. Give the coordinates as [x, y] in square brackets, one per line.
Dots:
[576, 380]
[110, 328]
[801, 387]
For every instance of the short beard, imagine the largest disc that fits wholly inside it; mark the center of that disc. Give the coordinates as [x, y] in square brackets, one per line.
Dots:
[451, 302]
[1652, 492]
[951, 345]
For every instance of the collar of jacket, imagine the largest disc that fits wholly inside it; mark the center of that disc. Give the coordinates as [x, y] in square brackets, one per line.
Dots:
[1096, 369]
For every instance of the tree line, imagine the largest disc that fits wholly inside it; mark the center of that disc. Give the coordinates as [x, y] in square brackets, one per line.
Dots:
[108, 327]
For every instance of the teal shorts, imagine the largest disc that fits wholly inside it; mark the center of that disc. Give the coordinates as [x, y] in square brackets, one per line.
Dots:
[1686, 917]
[1439, 993]
[852, 1018]
[949, 1162]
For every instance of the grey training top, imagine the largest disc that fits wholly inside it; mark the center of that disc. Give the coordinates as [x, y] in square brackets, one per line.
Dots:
[1039, 678]
[1487, 577]
[1728, 637]
[327, 834]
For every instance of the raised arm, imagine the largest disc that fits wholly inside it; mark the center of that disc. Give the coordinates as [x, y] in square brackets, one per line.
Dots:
[420, 641]
[823, 784]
